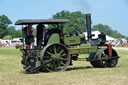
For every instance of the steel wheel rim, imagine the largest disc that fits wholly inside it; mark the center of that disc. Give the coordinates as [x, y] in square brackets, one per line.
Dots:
[58, 57]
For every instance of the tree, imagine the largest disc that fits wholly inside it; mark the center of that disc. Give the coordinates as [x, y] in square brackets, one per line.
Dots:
[6, 31]
[76, 23]
[4, 22]
[13, 32]
[17, 33]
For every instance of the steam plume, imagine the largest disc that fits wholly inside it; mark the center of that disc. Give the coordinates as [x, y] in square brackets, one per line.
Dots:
[83, 5]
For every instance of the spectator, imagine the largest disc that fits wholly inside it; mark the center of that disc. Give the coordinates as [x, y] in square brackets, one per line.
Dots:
[30, 36]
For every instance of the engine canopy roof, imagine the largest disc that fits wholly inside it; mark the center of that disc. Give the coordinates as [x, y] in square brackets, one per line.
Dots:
[41, 21]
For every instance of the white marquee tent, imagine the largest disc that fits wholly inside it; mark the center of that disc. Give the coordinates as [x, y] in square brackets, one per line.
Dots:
[96, 33]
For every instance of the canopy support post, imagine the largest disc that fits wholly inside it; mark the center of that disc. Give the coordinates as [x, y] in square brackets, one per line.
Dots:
[23, 34]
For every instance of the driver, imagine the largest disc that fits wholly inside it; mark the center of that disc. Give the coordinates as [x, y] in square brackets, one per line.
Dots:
[40, 34]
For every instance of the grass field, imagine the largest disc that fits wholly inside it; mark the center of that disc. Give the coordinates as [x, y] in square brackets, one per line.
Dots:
[81, 73]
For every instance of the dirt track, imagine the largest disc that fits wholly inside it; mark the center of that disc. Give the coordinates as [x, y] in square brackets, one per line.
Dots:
[121, 48]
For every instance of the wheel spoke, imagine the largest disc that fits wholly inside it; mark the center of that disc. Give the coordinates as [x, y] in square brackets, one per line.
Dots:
[55, 66]
[63, 54]
[55, 50]
[59, 64]
[62, 63]
[50, 53]
[51, 66]
[63, 59]
[48, 60]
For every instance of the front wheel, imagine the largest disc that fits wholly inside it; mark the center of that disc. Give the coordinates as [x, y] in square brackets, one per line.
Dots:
[103, 60]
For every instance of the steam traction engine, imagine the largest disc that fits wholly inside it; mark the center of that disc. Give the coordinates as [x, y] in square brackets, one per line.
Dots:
[57, 52]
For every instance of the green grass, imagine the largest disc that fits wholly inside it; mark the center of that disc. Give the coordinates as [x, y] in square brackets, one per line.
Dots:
[81, 73]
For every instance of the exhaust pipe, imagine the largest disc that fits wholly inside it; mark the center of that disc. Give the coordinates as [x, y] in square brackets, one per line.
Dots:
[88, 25]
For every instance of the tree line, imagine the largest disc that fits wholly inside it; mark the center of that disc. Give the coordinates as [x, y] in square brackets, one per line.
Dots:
[76, 24]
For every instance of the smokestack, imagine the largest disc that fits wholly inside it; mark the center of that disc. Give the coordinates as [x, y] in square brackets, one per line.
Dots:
[88, 25]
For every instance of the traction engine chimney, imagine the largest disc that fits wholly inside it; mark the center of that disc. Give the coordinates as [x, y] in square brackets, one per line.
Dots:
[88, 25]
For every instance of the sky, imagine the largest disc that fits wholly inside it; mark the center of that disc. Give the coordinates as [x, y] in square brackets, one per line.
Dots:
[113, 13]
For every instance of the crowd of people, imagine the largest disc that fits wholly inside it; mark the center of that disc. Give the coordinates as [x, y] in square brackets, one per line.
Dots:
[9, 43]
[118, 42]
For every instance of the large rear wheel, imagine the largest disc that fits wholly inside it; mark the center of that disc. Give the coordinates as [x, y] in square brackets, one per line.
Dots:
[56, 57]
